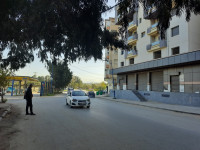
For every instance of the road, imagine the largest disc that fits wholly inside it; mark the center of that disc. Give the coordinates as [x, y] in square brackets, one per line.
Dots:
[107, 125]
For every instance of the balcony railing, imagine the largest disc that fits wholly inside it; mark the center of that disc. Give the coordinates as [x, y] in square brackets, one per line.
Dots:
[132, 39]
[132, 53]
[157, 45]
[132, 25]
[153, 29]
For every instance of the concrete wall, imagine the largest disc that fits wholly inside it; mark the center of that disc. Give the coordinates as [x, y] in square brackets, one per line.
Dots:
[181, 40]
[190, 82]
[185, 99]
[131, 82]
[124, 94]
[194, 32]
[173, 98]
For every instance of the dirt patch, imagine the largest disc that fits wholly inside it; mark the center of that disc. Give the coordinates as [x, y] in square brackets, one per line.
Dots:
[7, 129]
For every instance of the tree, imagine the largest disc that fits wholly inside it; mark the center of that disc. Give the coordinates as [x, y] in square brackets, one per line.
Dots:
[76, 82]
[4, 81]
[61, 74]
[71, 28]
[164, 10]
[41, 78]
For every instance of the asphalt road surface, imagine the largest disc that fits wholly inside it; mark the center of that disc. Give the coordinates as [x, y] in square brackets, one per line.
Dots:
[107, 125]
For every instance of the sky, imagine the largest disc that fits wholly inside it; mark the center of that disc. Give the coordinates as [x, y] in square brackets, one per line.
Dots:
[89, 72]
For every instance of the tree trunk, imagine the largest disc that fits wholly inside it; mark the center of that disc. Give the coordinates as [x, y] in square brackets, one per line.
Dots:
[2, 95]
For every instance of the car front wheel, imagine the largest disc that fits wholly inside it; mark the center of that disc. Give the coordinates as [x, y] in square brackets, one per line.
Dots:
[88, 106]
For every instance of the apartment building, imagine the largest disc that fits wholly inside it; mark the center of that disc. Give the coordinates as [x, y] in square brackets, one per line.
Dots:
[166, 70]
[111, 57]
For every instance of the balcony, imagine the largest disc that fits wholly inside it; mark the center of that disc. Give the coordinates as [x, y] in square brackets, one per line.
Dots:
[156, 45]
[151, 13]
[131, 54]
[132, 39]
[153, 30]
[132, 25]
[107, 76]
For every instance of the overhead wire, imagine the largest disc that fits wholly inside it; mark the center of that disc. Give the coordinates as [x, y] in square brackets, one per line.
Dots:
[87, 71]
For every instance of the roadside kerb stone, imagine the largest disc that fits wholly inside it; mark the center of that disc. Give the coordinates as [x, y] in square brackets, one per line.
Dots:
[175, 108]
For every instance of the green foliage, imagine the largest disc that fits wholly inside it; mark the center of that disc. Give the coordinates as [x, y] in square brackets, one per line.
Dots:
[164, 11]
[4, 77]
[60, 73]
[77, 83]
[41, 78]
[4, 80]
[57, 27]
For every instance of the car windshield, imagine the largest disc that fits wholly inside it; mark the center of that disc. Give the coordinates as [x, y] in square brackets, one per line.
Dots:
[78, 93]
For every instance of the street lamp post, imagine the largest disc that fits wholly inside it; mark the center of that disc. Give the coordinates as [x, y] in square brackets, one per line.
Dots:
[52, 78]
[51, 74]
[113, 81]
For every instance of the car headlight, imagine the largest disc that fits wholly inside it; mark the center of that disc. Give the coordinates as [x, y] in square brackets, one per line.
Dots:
[88, 100]
[74, 100]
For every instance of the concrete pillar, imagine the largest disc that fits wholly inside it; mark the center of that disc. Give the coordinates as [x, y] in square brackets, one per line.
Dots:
[118, 87]
[181, 81]
[148, 81]
[124, 86]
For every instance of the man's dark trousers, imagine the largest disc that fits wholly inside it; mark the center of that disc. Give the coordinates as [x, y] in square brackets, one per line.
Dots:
[29, 104]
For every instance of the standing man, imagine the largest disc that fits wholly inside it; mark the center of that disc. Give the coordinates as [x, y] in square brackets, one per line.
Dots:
[29, 96]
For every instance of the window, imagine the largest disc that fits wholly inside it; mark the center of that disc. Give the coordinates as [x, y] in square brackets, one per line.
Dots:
[142, 34]
[175, 50]
[122, 64]
[157, 54]
[175, 31]
[140, 20]
[131, 61]
[122, 52]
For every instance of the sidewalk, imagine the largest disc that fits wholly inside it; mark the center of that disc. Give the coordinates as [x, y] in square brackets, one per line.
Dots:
[4, 109]
[151, 104]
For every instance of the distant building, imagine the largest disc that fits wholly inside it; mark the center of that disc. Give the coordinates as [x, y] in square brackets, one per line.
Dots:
[166, 70]
[111, 57]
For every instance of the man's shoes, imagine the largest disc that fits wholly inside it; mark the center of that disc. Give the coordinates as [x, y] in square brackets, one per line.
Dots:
[32, 114]
[27, 114]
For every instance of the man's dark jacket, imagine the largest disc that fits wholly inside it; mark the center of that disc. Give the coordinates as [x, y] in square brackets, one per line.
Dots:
[29, 94]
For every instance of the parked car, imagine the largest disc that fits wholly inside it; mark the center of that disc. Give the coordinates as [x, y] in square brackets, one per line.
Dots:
[91, 94]
[78, 98]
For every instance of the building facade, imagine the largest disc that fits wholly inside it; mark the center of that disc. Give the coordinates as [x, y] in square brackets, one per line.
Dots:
[111, 57]
[166, 70]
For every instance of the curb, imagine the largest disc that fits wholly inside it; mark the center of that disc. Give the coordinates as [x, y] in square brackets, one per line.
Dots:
[5, 113]
[179, 111]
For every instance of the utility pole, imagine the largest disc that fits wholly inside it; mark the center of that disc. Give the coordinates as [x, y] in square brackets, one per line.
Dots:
[113, 81]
